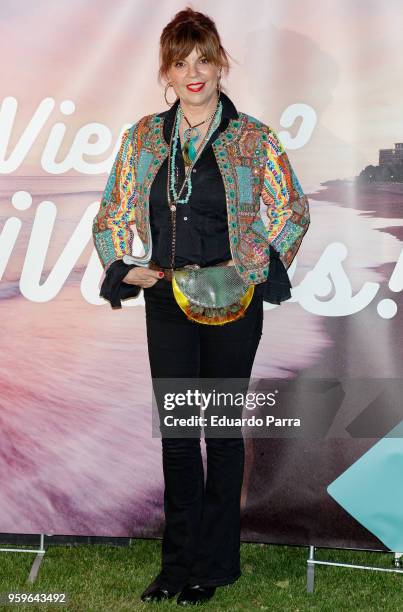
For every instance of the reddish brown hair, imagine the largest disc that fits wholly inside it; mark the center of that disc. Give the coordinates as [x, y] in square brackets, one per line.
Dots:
[186, 30]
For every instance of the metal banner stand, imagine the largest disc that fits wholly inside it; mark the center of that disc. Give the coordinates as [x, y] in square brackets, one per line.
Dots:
[38, 559]
[311, 562]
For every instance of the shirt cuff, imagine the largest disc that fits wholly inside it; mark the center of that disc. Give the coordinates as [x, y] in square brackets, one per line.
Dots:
[276, 288]
[113, 288]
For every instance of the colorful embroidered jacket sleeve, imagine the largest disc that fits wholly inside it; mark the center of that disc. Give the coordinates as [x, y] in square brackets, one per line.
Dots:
[287, 205]
[111, 230]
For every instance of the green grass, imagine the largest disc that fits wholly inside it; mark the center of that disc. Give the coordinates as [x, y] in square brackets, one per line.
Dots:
[99, 578]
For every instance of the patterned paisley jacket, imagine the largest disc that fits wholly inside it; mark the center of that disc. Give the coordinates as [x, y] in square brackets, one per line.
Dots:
[254, 167]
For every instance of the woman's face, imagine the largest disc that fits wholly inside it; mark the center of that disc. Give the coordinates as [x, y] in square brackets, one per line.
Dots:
[195, 68]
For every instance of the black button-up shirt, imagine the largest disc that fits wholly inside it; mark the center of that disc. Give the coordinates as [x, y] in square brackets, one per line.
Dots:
[201, 224]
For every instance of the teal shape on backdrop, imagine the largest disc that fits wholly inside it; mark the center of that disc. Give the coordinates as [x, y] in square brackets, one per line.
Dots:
[371, 490]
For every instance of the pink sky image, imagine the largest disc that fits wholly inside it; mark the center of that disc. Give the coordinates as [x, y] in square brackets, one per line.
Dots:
[340, 60]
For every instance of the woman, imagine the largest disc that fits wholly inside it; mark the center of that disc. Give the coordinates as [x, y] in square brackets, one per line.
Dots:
[191, 179]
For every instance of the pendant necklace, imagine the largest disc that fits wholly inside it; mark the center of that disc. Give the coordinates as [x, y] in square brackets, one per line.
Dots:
[191, 136]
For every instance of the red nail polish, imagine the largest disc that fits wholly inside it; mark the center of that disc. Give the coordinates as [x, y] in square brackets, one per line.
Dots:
[160, 274]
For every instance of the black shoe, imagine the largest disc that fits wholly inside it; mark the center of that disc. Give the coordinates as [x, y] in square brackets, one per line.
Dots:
[195, 594]
[155, 592]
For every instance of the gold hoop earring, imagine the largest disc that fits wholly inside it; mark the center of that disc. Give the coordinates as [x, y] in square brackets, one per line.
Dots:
[219, 84]
[168, 85]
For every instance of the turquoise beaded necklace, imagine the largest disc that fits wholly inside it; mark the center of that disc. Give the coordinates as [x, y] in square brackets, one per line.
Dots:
[193, 154]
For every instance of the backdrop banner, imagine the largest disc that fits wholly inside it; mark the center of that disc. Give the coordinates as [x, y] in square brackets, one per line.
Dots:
[78, 455]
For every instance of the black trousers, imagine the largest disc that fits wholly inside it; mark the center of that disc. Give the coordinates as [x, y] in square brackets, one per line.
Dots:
[201, 539]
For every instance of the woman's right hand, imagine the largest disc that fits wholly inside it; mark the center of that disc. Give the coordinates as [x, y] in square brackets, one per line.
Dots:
[143, 277]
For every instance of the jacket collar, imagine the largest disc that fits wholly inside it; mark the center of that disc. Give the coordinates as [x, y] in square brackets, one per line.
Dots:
[228, 112]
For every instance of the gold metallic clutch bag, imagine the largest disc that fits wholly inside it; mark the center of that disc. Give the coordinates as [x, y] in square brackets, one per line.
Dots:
[214, 295]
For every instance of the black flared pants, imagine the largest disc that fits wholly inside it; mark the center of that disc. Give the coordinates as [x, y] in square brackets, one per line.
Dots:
[201, 539]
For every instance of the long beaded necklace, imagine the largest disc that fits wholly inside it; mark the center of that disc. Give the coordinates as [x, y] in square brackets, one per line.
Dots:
[215, 121]
[188, 170]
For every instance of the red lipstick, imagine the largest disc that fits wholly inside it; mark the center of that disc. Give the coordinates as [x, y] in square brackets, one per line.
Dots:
[195, 87]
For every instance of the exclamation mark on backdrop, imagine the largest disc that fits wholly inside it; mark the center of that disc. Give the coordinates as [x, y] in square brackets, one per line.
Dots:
[387, 308]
